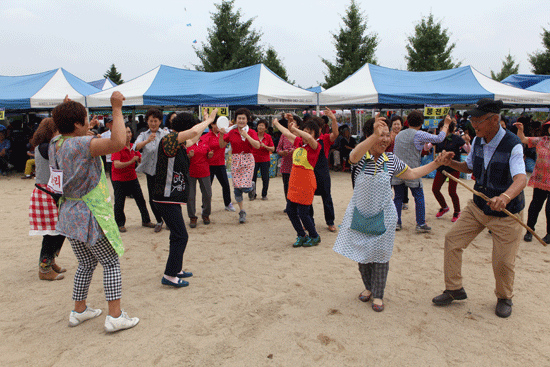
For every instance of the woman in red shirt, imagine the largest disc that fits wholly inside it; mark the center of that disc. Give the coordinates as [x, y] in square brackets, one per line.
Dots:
[199, 170]
[262, 158]
[216, 160]
[302, 183]
[243, 142]
[125, 182]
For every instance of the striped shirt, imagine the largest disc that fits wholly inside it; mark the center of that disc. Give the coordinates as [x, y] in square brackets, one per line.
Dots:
[394, 165]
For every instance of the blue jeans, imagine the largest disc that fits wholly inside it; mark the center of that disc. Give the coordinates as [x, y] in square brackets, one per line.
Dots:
[418, 194]
[300, 214]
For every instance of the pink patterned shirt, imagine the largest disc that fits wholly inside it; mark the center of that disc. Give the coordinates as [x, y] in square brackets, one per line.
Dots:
[285, 144]
[540, 178]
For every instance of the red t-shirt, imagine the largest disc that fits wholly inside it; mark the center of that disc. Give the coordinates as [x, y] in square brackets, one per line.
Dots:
[198, 166]
[326, 143]
[127, 173]
[262, 154]
[237, 144]
[213, 141]
[312, 155]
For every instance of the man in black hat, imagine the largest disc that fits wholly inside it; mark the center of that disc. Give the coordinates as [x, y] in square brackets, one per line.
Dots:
[496, 160]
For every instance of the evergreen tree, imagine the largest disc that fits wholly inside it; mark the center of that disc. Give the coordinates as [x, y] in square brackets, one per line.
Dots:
[354, 48]
[540, 60]
[232, 44]
[272, 61]
[114, 75]
[428, 49]
[508, 68]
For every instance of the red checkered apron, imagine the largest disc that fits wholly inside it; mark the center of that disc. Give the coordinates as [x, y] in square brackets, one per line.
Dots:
[42, 212]
[242, 170]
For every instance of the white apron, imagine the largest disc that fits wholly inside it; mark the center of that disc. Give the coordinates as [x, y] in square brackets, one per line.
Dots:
[371, 195]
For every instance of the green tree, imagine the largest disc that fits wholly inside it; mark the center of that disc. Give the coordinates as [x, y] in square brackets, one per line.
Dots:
[114, 75]
[540, 60]
[509, 67]
[272, 61]
[354, 48]
[232, 44]
[428, 49]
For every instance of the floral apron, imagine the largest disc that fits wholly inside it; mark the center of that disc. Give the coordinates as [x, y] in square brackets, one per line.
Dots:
[371, 195]
[242, 170]
[98, 202]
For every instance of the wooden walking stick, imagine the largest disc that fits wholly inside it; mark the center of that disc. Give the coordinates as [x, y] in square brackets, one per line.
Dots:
[486, 198]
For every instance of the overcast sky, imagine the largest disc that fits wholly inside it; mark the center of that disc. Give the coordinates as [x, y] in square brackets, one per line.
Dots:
[86, 37]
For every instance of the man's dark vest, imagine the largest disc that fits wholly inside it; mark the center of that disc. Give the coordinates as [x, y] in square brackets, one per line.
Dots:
[496, 179]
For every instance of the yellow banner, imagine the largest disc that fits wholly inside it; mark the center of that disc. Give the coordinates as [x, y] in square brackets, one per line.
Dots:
[223, 110]
[436, 111]
[2, 114]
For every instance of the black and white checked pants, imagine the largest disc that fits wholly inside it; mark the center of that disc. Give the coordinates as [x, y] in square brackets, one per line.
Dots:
[374, 277]
[88, 257]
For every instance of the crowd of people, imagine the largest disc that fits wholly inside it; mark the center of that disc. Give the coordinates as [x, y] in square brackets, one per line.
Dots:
[385, 165]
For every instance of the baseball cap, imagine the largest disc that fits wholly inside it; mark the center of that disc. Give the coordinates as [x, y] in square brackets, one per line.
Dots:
[485, 106]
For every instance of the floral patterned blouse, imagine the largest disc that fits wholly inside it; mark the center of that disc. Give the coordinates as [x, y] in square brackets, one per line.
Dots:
[81, 174]
[540, 178]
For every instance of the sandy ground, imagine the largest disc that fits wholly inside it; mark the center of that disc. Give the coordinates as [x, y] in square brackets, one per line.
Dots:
[256, 301]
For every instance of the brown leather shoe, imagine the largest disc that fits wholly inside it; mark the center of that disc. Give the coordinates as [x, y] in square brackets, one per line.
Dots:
[193, 222]
[205, 219]
[58, 269]
[122, 229]
[148, 225]
[50, 275]
[332, 228]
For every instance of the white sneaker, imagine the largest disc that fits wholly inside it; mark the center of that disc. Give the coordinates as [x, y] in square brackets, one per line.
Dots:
[230, 208]
[122, 322]
[77, 318]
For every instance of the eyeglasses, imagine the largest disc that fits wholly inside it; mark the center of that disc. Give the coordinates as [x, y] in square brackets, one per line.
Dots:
[482, 121]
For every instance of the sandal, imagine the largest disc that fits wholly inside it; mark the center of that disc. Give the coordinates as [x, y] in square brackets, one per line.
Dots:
[378, 308]
[364, 298]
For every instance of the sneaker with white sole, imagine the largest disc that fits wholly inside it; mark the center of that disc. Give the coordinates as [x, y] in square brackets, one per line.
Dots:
[242, 216]
[77, 318]
[122, 322]
[230, 208]
[423, 228]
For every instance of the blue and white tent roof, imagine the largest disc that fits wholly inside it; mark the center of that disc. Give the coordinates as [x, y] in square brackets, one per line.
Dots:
[103, 83]
[543, 87]
[42, 90]
[168, 86]
[524, 81]
[374, 85]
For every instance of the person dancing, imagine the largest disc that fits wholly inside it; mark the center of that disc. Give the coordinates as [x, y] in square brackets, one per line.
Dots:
[86, 217]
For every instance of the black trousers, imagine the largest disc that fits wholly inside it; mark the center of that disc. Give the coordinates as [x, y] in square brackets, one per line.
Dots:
[263, 167]
[150, 186]
[286, 179]
[220, 172]
[123, 189]
[51, 245]
[173, 217]
[539, 196]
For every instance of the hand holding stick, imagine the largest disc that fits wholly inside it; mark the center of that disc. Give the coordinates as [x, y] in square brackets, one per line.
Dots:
[484, 197]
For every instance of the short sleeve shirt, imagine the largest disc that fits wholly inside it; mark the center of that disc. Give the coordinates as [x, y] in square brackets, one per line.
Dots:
[394, 165]
[262, 154]
[311, 154]
[238, 145]
[198, 166]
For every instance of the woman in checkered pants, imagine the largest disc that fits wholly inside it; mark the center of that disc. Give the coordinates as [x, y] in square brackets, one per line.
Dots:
[86, 217]
[43, 207]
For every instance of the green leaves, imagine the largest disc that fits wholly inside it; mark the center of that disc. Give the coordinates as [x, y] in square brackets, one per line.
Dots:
[540, 60]
[353, 47]
[508, 68]
[428, 48]
[114, 75]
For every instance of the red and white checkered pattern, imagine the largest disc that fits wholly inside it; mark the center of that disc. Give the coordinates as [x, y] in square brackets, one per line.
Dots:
[42, 211]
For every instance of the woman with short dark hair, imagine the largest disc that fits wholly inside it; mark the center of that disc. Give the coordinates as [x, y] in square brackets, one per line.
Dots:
[262, 158]
[86, 215]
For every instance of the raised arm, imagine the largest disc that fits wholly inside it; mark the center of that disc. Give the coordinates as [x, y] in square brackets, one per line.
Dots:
[521, 133]
[197, 130]
[414, 173]
[362, 148]
[334, 133]
[118, 132]
[307, 138]
[290, 136]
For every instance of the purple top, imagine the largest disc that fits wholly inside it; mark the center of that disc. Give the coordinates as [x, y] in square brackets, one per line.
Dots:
[81, 174]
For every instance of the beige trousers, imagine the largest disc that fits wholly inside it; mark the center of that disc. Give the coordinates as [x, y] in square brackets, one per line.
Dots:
[506, 234]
